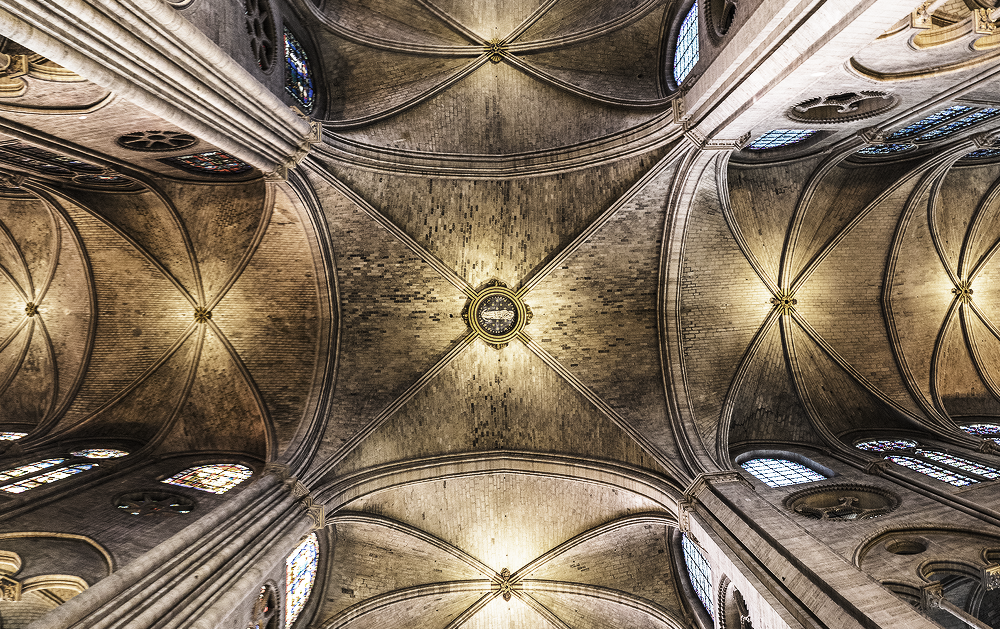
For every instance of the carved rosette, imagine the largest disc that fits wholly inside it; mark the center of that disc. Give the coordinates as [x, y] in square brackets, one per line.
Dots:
[843, 502]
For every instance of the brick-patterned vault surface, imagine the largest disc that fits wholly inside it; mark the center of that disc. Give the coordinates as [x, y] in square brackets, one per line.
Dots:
[503, 550]
[883, 334]
[99, 336]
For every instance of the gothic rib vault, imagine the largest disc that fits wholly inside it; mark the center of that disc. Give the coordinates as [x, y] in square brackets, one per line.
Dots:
[304, 317]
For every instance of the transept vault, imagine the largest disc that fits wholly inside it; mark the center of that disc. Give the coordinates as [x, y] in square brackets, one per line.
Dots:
[524, 314]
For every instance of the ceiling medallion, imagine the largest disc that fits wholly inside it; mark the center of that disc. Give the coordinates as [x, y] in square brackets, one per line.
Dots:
[785, 301]
[496, 49]
[202, 315]
[31, 309]
[963, 291]
[497, 314]
[506, 587]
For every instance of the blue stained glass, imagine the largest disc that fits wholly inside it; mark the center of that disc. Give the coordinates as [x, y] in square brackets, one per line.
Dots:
[686, 54]
[779, 137]
[12, 436]
[48, 477]
[934, 471]
[298, 77]
[958, 462]
[982, 154]
[300, 573]
[926, 123]
[991, 431]
[962, 123]
[699, 572]
[780, 472]
[885, 149]
[885, 445]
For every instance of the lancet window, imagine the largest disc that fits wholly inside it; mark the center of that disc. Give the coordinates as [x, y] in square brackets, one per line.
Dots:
[699, 572]
[948, 468]
[298, 76]
[775, 472]
[216, 479]
[686, 53]
[300, 574]
[45, 471]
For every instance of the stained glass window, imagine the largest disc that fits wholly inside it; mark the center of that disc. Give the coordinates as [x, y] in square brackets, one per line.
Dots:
[30, 468]
[962, 123]
[686, 53]
[103, 180]
[47, 477]
[779, 137]
[987, 431]
[298, 77]
[780, 472]
[12, 436]
[217, 479]
[934, 471]
[885, 445]
[958, 462]
[699, 572]
[63, 160]
[215, 162]
[884, 149]
[930, 121]
[100, 453]
[982, 154]
[300, 573]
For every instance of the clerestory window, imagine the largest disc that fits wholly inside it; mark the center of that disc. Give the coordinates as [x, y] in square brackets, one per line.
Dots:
[948, 468]
[298, 76]
[686, 53]
[300, 574]
[777, 138]
[775, 472]
[986, 431]
[699, 573]
[216, 479]
[46, 471]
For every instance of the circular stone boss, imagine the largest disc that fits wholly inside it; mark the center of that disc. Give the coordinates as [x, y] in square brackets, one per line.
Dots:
[498, 315]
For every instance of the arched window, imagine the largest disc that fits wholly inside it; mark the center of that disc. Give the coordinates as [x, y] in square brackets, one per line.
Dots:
[211, 162]
[780, 472]
[780, 137]
[974, 155]
[300, 574]
[986, 431]
[298, 76]
[948, 468]
[884, 149]
[48, 471]
[216, 479]
[930, 122]
[686, 52]
[699, 572]
[12, 436]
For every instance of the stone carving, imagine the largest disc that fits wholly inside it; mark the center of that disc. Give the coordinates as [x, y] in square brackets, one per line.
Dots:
[31, 309]
[10, 588]
[963, 292]
[154, 503]
[496, 49]
[202, 314]
[845, 107]
[497, 314]
[260, 28]
[506, 587]
[153, 141]
[843, 502]
[784, 302]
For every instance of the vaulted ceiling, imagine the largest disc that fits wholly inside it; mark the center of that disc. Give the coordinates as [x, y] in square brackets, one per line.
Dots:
[336, 341]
